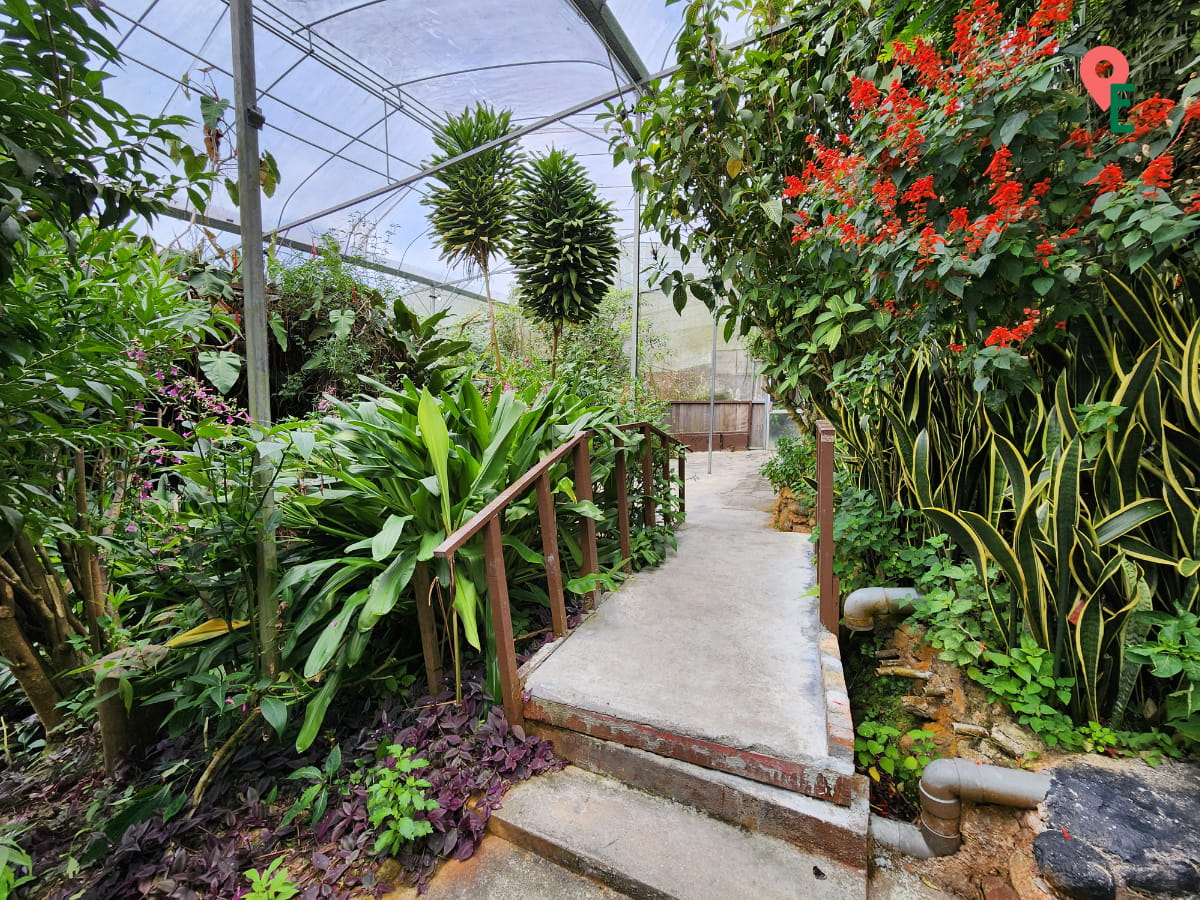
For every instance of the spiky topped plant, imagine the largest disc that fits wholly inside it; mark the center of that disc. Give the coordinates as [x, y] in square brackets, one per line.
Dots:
[471, 210]
[565, 246]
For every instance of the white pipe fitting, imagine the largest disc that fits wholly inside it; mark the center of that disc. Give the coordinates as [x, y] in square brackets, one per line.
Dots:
[944, 785]
[863, 605]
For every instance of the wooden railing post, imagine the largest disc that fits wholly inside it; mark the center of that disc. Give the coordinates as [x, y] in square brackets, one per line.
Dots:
[428, 628]
[826, 582]
[648, 478]
[622, 477]
[549, 526]
[587, 525]
[681, 458]
[510, 683]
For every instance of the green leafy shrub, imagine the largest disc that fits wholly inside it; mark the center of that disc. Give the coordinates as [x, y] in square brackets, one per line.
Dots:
[878, 749]
[13, 861]
[270, 884]
[394, 796]
[1174, 655]
[793, 465]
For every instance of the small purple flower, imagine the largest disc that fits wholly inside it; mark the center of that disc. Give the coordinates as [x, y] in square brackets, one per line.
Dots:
[131, 528]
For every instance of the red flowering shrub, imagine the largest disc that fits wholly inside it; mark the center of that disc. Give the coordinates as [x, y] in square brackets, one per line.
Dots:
[974, 189]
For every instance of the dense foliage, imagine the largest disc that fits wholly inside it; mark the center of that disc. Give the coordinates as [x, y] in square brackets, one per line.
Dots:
[565, 248]
[471, 207]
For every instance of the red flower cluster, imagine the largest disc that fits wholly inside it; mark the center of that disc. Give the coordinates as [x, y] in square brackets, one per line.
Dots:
[1111, 178]
[903, 130]
[1043, 251]
[792, 187]
[1158, 173]
[932, 71]
[864, 96]
[1148, 115]
[1006, 337]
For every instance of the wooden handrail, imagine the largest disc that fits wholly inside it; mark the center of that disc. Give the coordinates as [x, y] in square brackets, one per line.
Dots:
[488, 521]
[654, 429]
[475, 524]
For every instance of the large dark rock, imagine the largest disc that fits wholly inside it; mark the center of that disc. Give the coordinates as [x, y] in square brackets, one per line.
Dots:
[1073, 867]
[1140, 823]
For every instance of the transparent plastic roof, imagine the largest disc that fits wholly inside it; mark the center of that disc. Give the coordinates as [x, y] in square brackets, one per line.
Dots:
[353, 89]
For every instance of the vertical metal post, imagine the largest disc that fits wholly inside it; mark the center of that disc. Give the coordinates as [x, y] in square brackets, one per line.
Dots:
[827, 584]
[506, 654]
[587, 526]
[712, 393]
[682, 484]
[549, 526]
[249, 120]
[637, 268]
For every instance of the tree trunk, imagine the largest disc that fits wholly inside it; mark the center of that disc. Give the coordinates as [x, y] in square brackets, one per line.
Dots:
[25, 664]
[555, 331]
[487, 290]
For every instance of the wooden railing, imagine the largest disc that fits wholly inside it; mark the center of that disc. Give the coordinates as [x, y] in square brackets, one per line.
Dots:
[826, 582]
[489, 521]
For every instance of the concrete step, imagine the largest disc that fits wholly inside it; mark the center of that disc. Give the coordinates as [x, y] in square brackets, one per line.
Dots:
[825, 777]
[649, 847]
[815, 826]
[500, 870]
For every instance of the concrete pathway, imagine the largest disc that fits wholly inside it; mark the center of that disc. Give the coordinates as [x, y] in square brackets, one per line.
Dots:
[704, 711]
[720, 643]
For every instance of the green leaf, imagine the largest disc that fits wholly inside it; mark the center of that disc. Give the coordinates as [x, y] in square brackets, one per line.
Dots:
[221, 367]
[774, 210]
[385, 540]
[211, 110]
[466, 603]
[315, 714]
[275, 711]
[436, 439]
[386, 590]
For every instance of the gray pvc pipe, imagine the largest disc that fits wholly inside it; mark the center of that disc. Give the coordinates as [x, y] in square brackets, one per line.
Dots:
[944, 785]
[863, 605]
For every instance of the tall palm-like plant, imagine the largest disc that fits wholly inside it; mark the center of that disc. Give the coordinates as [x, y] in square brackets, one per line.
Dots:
[565, 246]
[471, 209]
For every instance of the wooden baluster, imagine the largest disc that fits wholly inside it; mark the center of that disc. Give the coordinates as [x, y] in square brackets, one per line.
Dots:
[622, 476]
[549, 525]
[587, 526]
[648, 478]
[827, 584]
[425, 622]
[510, 683]
[682, 484]
[668, 518]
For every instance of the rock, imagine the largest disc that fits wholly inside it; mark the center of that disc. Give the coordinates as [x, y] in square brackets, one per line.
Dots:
[1022, 872]
[1073, 867]
[1142, 819]
[996, 888]
[1170, 877]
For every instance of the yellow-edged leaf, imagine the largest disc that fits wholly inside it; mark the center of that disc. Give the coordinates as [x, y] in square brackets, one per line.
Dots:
[213, 628]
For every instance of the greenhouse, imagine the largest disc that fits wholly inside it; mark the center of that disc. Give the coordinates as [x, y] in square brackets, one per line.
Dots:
[598, 448]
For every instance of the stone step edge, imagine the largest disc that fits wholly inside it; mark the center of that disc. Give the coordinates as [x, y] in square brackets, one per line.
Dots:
[830, 779]
[577, 860]
[726, 797]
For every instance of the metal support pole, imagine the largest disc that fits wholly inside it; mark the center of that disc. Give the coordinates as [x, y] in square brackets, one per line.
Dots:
[712, 393]
[249, 119]
[637, 269]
